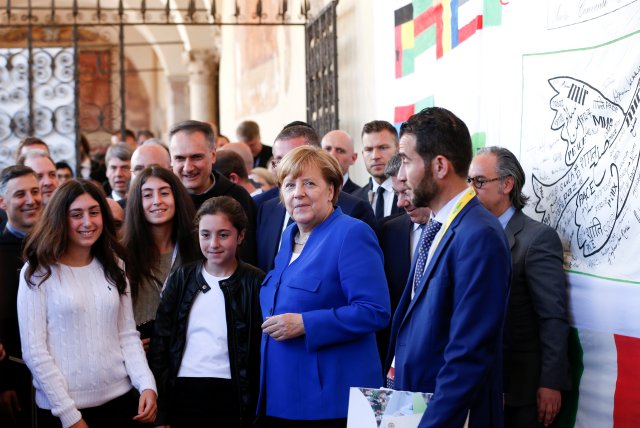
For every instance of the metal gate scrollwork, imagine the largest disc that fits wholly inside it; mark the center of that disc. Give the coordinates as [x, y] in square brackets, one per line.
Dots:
[322, 71]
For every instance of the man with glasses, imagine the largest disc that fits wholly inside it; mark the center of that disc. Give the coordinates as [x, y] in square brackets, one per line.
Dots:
[536, 365]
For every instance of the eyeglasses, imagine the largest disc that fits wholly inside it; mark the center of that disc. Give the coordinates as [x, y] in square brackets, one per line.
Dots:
[275, 163]
[478, 182]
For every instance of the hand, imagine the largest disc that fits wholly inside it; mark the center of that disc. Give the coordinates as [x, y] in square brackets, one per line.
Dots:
[146, 343]
[9, 406]
[3, 354]
[549, 402]
[80, 424]
[284, 327]
[147, 407]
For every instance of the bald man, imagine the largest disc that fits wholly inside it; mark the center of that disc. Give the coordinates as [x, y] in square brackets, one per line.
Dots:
[243, 150]
[149, 153]
[340, 145]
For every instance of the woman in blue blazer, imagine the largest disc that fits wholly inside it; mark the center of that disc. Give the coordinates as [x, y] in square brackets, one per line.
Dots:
[323, 301]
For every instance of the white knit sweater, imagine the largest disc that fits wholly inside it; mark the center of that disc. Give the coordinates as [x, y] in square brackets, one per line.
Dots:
[80, 341]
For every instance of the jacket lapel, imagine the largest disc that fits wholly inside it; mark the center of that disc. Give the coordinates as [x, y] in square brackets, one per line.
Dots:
[515, 225]
[430, 268]
[442, 246]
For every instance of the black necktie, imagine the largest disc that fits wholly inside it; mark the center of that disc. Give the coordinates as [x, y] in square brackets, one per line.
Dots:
[380, 203]
[426, 239]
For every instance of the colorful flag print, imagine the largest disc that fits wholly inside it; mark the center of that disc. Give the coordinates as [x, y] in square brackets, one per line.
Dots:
[421, 24]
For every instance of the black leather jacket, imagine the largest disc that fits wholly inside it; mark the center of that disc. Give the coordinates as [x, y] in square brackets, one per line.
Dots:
[242, 304]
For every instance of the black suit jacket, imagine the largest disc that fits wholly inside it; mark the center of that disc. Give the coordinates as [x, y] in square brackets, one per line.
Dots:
[363, 193]
[536, 327]
[270, 221]
[395, 240]
[350, 187]
[10, 265]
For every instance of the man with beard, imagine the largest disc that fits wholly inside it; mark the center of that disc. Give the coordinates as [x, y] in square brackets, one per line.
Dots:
[446, 335]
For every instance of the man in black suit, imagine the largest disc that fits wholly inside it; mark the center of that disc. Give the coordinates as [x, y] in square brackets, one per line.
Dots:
[272, 217]
[536, 366]
[399, 238]
[399, 235]
[340, 145]
[193, 153]
[248, 132]
[21, 198]
[379, 143]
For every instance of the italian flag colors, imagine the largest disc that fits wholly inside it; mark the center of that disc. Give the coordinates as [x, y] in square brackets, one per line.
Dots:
[605, 354]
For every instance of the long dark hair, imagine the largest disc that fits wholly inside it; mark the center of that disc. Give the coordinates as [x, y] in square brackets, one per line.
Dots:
[48, 241]
[143, 254]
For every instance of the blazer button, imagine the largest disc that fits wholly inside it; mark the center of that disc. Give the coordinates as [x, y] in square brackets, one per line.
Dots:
[270, 311]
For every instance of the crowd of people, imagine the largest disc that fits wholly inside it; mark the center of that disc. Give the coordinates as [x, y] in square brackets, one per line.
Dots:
[249, 285]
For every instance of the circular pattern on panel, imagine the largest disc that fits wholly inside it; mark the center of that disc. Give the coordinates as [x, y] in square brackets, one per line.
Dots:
[42, 71]
[65, 120]
[63, 66]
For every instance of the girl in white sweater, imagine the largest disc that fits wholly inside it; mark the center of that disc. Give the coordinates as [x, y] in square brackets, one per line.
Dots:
[76, 323]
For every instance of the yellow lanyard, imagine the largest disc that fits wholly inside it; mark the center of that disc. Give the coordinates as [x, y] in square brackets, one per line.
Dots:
[464, 200]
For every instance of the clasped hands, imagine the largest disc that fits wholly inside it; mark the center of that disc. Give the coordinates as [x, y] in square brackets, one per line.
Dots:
[284, 327]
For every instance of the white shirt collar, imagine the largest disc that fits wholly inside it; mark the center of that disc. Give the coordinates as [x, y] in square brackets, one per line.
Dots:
[443, 214]
[386, 185]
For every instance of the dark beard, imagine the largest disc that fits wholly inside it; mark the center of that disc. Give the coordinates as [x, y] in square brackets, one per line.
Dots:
[426, 190]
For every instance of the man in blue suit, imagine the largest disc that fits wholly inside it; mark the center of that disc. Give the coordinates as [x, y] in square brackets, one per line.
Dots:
[446, 335]
[272, 217]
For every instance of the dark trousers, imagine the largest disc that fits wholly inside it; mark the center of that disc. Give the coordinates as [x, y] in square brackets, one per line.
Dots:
[204, 402]
[118, 412]
[270, 422]
[521, 417]
[18, 379]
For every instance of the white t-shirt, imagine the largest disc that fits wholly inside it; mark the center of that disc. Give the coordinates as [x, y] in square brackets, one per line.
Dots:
[206, 351]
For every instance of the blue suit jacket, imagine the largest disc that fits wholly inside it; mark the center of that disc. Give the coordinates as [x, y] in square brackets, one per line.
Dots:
[270, 220]
[338, 285]
[448, 338]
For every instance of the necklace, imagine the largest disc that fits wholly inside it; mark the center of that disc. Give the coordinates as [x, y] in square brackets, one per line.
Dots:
[299, 240]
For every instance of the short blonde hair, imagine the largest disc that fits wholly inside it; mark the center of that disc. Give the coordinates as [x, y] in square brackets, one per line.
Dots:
[265, 174]
[299, 159]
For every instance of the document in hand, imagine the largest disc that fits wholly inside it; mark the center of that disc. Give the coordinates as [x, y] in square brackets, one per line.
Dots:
[385, 408]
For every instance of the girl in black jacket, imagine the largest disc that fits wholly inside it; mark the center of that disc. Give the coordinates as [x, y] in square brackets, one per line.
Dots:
[205, 351]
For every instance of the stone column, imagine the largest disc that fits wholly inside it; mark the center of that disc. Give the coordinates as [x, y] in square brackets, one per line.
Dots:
[203, 66]
[178, 102]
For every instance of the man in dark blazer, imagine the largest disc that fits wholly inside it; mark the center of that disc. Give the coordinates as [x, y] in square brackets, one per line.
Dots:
[446, 335]
[536, 359]
[21, 198]
[340, 145]
[379, 144]
[193, 154]
[272, 216]
[398, 237]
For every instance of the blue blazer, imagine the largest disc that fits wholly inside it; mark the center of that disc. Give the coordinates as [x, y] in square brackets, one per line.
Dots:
[448, 338]
[338, 285]
[270, 220]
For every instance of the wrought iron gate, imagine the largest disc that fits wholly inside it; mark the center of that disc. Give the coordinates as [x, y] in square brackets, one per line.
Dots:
[52, 59]
[322, 71]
